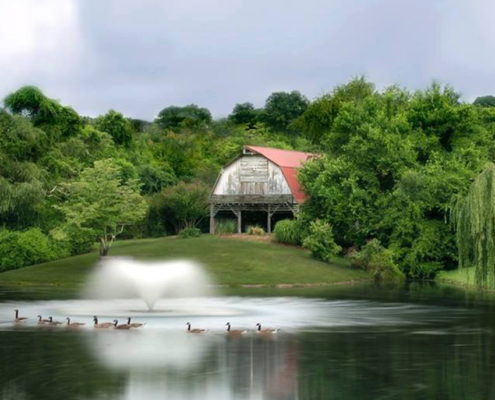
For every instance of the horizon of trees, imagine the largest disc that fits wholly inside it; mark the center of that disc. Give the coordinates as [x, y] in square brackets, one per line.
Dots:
[393, 165]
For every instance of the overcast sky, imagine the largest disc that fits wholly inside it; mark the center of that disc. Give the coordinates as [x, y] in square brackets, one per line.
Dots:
[139, 56]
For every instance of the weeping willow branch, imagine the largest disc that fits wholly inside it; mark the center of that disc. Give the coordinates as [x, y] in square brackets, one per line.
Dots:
[474, 221]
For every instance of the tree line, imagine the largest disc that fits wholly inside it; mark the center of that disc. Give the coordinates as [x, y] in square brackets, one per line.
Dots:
[393, 165]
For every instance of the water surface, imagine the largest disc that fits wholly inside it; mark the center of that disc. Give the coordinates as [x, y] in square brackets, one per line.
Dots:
[353, 343]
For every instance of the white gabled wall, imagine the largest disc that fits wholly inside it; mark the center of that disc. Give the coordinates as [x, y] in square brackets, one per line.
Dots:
[251, 175]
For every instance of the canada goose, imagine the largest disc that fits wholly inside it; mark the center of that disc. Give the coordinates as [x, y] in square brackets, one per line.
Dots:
[74, 324]
[266, 330]
[134, 324]
[104, 325]
[17, 318]
[42, 321]
[52, 322]
[121, 326]
[231, 332]
[189, 330]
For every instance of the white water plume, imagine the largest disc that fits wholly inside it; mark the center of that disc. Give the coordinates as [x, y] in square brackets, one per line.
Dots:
[121, 278]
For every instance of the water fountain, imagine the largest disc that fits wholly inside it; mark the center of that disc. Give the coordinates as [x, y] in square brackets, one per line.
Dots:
[124, 278]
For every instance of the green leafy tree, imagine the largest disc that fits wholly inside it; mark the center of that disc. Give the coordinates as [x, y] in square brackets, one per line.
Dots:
[100, 205]
[282, 108]
[474, 220]
[187, 117]
[245, 113]
[184, 205]
[485, 101]
[117, 126]
[57, 120]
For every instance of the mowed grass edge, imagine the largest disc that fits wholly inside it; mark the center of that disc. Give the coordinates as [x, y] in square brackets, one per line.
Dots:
[229, 262]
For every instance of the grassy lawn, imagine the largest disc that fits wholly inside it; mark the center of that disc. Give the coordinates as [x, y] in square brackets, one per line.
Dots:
[463, 277]
[230, 262]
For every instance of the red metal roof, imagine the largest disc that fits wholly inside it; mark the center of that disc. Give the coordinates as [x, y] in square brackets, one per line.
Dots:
[288, 161]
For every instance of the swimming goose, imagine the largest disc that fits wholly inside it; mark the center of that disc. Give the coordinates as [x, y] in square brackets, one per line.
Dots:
[43, 321]
[52, 322]
[134, 324]
[121, 326]
[189, 330]
[231, 332]
[74, 324]
[104, 325]
[266, 330]
[17, 318]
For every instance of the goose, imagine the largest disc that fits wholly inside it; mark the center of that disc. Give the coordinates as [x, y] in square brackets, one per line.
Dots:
[17, 318]
[74, 324]
[121, 326]
[104, 325]
[266, 330]
[42, 321]
[231, 332]
[189, 330]
[52, 322]
[134, 324]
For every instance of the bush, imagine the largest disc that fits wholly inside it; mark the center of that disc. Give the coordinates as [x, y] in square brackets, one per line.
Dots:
[187, 233]
[20, 249]
[226, 227]
[255, 231]
[320, 241]
[377, 260]
[288, 231]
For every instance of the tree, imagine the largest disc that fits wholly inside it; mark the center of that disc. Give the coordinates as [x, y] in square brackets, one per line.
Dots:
[485, 101]
[244, 113]
[474, 220]
[189, 117]
[99, 205]
[117, 126]
[57, 120]
[282, 108]
[184, 205]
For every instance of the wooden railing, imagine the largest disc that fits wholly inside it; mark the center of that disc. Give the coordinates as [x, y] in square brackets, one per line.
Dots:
[252, 199]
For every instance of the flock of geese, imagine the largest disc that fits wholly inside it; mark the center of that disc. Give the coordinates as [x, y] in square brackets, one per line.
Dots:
[133, 325]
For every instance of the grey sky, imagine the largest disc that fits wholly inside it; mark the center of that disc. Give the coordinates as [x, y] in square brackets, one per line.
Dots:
[139, 56]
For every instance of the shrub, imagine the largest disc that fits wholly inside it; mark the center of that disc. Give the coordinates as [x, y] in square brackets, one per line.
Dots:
[320, 241]
[20, 249]
[288, 231]
[226, 227]
[377, 260]
[256, 231]
[187, 233]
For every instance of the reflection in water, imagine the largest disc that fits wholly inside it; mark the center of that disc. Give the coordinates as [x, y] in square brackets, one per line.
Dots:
[179, 365]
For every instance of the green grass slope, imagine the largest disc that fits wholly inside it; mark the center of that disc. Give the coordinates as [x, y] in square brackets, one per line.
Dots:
[229, 261]
[463, 277]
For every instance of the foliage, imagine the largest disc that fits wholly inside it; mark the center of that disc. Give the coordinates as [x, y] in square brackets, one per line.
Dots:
[99, 205]
[245, 113]
[377, 260]
[485, 101]
[190, 116]
[184, 205]
[117, 126]
[320, 241]
[282, 108]
[20, 249]
[288, 231]
[255, 231]
[187, 233]
[474, 220]
[226, 227]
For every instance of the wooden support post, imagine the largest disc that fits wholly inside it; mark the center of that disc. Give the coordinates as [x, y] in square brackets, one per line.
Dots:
[212, 219]
[239, 221]
[269, 220]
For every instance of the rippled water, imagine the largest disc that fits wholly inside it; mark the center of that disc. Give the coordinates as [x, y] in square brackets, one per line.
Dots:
[327, 349]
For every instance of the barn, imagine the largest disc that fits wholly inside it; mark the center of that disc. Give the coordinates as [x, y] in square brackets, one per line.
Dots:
[260, 180]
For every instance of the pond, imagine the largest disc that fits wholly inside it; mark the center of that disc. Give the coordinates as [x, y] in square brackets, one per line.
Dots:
[356, 342]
